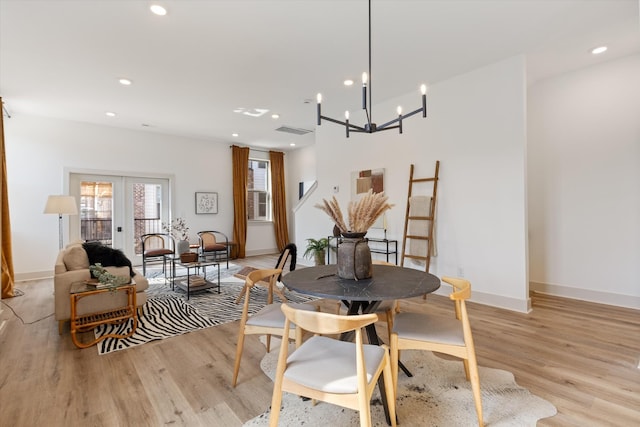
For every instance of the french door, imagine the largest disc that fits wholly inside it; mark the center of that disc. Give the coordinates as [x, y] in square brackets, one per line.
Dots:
[117, 210]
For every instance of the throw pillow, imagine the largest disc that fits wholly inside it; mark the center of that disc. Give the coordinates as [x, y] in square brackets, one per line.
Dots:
[75, 258]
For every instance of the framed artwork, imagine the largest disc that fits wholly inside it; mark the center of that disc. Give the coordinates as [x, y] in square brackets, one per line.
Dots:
[206, 203]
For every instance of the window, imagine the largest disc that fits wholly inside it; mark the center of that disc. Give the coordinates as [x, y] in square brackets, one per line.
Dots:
[259, 194]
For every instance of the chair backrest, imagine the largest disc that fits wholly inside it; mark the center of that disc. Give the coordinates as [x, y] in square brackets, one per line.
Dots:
[156, 241]
[212, 240]
[326, 323]
[254, 277]
[381, 262]
[461, 292]
[289, 251]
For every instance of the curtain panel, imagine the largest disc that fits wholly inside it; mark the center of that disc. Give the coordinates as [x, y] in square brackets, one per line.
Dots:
[240, 157]
[5, 227]
[278, 193]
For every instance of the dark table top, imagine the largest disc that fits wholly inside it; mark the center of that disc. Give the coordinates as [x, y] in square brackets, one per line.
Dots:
[387, 283]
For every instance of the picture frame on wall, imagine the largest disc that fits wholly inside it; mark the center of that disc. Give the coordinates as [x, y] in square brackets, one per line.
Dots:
[206, 203]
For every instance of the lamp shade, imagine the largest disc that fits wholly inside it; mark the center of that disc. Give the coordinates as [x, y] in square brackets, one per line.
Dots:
[61, 205]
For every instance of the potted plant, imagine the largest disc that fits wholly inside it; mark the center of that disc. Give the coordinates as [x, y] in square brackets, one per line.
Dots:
[317, 248]
[180, 232]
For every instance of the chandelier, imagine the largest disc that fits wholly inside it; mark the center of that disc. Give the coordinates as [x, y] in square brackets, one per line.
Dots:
[371, 127]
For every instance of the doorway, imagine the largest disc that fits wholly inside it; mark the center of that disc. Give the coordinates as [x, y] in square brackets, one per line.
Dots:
[117, 210]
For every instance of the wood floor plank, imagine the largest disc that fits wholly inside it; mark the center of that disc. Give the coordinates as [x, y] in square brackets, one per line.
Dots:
[580, 356]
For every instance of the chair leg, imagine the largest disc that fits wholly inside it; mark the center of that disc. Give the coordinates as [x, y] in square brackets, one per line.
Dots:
[144, 266]
[393, 340]
[364, 407]
[280, 294]
[60, 326]
[389, 321]
[269, 343]
[276, 399]
[236, 367]
[244, 289]
[390, 390]
[475, 386]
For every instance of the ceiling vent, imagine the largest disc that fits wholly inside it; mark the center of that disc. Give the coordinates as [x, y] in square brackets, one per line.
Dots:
[295, 131]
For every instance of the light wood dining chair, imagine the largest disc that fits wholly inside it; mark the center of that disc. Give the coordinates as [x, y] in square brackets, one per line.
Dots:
[452, 336]
[338, 372]
[269, 320]
[288, 252]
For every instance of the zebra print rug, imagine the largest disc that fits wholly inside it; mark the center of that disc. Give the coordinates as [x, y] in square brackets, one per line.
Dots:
[162, 318]
[168, 313]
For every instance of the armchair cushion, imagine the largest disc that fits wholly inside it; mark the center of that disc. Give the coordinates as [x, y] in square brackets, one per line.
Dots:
[75, 258]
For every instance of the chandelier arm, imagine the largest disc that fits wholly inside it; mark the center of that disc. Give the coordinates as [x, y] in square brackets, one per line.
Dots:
[397, 119]
[355, 128]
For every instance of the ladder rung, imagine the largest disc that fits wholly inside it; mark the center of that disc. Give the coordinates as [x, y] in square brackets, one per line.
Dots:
[424, 258]
[423, 218]
[417, 237]
[423, 179]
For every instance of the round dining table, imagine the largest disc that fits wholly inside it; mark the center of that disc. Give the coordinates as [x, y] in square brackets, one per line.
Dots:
[388, 282]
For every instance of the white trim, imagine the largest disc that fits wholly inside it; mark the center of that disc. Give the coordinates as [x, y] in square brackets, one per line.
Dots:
[499, 301]
[600, 297]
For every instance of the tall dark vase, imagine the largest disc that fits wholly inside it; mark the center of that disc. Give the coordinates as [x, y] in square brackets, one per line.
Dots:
[354, 257]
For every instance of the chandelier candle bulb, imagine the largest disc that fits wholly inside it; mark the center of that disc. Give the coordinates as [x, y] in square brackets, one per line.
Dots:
[400, 119]
[423, 89]
[346, 121]
[364, 91]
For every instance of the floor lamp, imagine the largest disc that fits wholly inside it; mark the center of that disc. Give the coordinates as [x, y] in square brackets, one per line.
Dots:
[61, 205]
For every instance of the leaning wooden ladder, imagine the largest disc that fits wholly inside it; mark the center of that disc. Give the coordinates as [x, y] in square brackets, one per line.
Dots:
[428, 236]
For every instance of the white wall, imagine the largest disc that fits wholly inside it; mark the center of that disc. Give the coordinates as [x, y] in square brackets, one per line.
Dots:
[476, 128]
[39, 151]
[584, 176]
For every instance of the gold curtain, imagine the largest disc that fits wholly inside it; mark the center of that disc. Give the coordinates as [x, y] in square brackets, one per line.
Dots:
[240, 156]
[5, 226]
[279, 199]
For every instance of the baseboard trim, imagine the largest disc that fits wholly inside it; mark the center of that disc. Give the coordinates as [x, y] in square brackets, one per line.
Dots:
[34, 275]
[600, 297]
[508, 303]
[257, 252]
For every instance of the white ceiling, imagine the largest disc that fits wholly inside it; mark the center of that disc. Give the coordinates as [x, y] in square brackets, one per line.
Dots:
[205, 58]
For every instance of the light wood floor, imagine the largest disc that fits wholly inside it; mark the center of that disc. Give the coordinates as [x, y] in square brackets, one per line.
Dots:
[582, 357]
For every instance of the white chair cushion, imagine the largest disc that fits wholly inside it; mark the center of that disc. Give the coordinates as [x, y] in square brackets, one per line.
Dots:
[329, 365]
[271, 315]
[422, 327]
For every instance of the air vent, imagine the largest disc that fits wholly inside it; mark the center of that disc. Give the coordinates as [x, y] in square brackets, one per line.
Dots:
[295, 131]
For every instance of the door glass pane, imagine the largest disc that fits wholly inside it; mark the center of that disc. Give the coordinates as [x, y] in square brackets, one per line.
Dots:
[96, 212]
[147, 208]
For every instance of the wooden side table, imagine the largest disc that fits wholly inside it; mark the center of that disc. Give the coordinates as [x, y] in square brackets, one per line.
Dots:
[87, 322]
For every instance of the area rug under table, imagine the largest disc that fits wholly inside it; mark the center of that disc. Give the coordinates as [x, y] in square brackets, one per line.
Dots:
[438, 394]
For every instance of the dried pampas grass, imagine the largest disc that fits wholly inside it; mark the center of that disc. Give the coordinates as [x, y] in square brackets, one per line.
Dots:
[362, 214]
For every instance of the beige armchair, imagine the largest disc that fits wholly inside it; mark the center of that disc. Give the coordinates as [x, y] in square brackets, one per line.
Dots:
[72, 265]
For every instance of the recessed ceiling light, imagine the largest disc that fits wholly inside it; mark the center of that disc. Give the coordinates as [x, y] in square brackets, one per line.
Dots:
[598, 50]
[158, 10]
[348, 82]
[293, 144]
[235, 135]
[125, 82]
[275, 116]
[110, 114]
